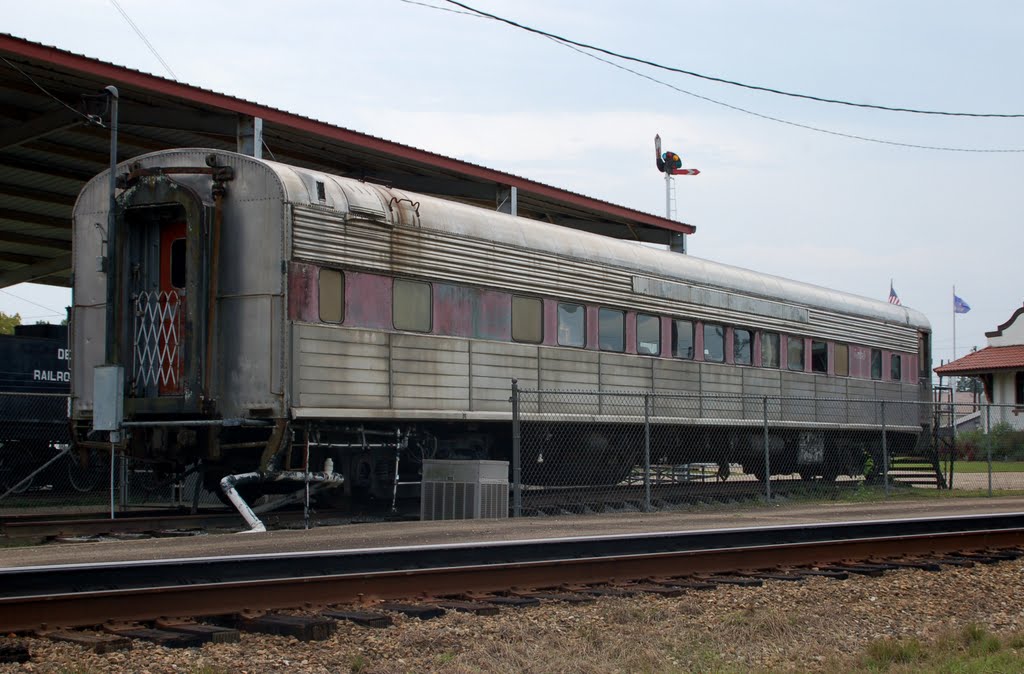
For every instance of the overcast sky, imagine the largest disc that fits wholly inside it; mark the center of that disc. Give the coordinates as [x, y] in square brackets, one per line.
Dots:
[838, 212]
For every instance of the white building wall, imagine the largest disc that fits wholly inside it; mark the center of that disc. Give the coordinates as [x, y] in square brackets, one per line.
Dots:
[1012, 334]
[1003, 396]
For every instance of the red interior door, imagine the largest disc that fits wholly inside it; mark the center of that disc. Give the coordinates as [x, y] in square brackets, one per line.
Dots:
[173, 270]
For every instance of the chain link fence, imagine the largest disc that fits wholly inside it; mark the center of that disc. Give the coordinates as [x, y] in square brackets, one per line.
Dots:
[588, 451]
[40, 472]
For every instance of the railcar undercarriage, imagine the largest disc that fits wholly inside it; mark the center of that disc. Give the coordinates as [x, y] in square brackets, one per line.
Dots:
[381, 463]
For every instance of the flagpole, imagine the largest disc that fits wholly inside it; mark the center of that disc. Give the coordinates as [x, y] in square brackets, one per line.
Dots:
[952, 395]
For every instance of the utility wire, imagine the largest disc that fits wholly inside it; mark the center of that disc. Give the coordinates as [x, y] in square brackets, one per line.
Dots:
[441, 9]
[139, 32]
[25, 299]
[778, 120]
[91, 119]
[785, 121]
[711, 78]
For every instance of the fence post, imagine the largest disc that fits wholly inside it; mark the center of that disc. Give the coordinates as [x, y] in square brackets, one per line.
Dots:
[517, 487]
[767, 459]
[988, 444]
[647, 452]
[124, 473]
[113, 488]
[952, 426]
[885, 453]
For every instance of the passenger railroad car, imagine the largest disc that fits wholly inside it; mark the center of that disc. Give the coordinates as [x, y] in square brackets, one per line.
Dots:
[288, 308]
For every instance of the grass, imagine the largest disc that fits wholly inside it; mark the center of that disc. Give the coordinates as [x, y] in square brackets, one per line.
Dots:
[982, 467]
[971, 650]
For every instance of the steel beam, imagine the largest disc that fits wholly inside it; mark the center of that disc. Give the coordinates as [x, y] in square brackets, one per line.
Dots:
[36, 271]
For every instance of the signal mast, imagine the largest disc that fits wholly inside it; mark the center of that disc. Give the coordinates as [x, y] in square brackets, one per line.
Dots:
[671, 165]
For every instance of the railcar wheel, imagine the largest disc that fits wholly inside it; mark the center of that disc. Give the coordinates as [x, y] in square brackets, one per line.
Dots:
[82, 479]
[85, 477]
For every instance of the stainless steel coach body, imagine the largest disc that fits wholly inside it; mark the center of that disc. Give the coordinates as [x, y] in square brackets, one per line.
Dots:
[310, 303]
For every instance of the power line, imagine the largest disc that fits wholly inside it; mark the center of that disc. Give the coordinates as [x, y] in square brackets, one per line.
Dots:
[91, 119]
[41, 306]
[721, 80]
[770, 118]
[440, 9]
[138, 32]
[779, 120]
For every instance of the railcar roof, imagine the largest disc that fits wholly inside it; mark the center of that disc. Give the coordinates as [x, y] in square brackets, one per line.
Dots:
[47, 154]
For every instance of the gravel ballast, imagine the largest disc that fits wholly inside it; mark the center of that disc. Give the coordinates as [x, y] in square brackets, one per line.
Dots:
[815, 625]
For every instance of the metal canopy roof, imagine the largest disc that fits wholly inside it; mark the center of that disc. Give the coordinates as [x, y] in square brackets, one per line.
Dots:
[48, 152]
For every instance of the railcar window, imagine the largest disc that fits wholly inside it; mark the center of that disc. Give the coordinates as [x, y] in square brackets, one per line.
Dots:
[178, 263]
[611, 330]
[769, 349]
[842, 360]
[332, 296]
[742, 346]
[571, 325]
[714, 343]
[819, 356]
[876, 364]
[411, 307]
[682, 339]
[795, 353]
[895, 367]
[648, 335]
[527, 320]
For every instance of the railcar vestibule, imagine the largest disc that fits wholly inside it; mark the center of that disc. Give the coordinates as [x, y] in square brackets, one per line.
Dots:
[365, 300]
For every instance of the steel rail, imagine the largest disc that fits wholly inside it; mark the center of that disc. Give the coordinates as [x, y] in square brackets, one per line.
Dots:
[78, 595]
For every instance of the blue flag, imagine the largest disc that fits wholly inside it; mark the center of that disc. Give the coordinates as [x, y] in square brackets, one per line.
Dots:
[959, 306]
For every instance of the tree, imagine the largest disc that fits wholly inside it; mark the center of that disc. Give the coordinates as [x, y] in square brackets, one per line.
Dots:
[969, 385]
[7, 323]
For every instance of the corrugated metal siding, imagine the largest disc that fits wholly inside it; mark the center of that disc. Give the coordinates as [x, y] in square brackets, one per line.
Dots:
[494, 365]
[334, 367]
[798, 392]
[723, 384]
[351, 368]
[625, 373]
[863, 331]
[434, 254]
[568, 369]
[429, 372]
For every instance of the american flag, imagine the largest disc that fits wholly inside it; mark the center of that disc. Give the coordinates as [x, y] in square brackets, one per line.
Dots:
[893, 297]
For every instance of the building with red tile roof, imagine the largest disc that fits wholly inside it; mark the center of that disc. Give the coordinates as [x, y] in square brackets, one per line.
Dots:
[1000, 367]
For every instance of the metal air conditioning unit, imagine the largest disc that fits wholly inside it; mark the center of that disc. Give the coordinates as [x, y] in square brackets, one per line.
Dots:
[461, 490]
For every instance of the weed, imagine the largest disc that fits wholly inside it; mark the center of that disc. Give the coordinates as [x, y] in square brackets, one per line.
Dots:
[978, 641]
[888, 652]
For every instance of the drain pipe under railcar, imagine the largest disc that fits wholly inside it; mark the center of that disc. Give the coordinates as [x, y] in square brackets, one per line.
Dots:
[230, 483]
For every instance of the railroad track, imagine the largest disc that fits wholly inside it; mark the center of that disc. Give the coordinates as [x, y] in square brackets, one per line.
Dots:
[427, 580]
